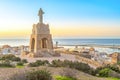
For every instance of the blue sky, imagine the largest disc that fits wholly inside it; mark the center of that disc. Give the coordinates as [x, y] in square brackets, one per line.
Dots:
[79, 14]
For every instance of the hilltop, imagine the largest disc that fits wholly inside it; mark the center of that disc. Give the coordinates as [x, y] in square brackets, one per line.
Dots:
[6, 73]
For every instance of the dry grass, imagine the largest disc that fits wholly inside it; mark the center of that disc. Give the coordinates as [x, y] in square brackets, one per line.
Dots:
[6, 73]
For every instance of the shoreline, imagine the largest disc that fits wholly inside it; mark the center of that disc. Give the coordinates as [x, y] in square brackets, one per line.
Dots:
[84, 45]
[91, 45]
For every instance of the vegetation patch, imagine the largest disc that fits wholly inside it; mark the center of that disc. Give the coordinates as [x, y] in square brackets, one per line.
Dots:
[20, 66]
[39, 75]
[108, 71]
[5, 64]
[113, 79]
[10, 57]
[39, 63]
[63, 78]
[104, 72]
[75, 65]
[10, 60]
[24, 61]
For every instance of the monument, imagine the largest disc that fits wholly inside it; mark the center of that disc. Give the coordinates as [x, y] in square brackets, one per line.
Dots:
[41, 44]
[41, 39]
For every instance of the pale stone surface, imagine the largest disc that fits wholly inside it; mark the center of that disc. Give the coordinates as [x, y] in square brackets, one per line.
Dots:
[24, 53]
[115, 57]
[31, 55]
[41, 40]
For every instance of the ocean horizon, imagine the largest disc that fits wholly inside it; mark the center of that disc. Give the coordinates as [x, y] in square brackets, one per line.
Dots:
[64, 41]
[70, 43]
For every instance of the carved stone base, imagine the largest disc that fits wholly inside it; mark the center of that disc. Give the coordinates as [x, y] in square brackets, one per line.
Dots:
[44, 53]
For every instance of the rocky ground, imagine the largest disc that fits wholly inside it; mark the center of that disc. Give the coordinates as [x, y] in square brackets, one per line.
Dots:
[6, 73]
[62, 57]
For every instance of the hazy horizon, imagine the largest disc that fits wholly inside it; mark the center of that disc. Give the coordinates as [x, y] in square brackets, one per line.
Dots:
[67, 18]
[67, 38]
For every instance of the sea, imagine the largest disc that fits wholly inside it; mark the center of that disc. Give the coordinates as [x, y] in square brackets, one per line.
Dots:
[71, 43]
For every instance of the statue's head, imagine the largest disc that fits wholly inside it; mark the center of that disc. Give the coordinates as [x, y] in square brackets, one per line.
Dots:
[40, 12]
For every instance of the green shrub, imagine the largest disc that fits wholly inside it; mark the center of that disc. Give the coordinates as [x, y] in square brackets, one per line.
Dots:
[63, 78]
[80, 66]
[118, 62]
[38, 63]
[39, 75]
[76, 65]
[44, 62]
[33, 64]
[24, 61]
[6, 63]
[7, 56]
[112, 67]
[104, 72]
[16, 59]
[10, 57]
[57, 63]
[20, 64]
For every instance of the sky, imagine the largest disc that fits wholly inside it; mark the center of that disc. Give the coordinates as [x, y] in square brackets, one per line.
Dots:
[67, 18]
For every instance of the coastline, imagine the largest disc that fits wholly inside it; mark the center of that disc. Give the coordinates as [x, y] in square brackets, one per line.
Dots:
[93, 45]
[102, 45]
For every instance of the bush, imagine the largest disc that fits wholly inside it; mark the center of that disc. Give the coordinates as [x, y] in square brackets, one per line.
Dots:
[20, 64]
[6, 63]
[76, 65]
[24, 61]
[16, 59]
[108, 70]
[39, 75]
[118, 62]
[32, 65]
[112, 67]
[7, 56]
[38, 63]
[57, 63]
[93, 72]
[32, 75]
[105, 72]
[66, 63]
[10, 57]
[80, 66]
